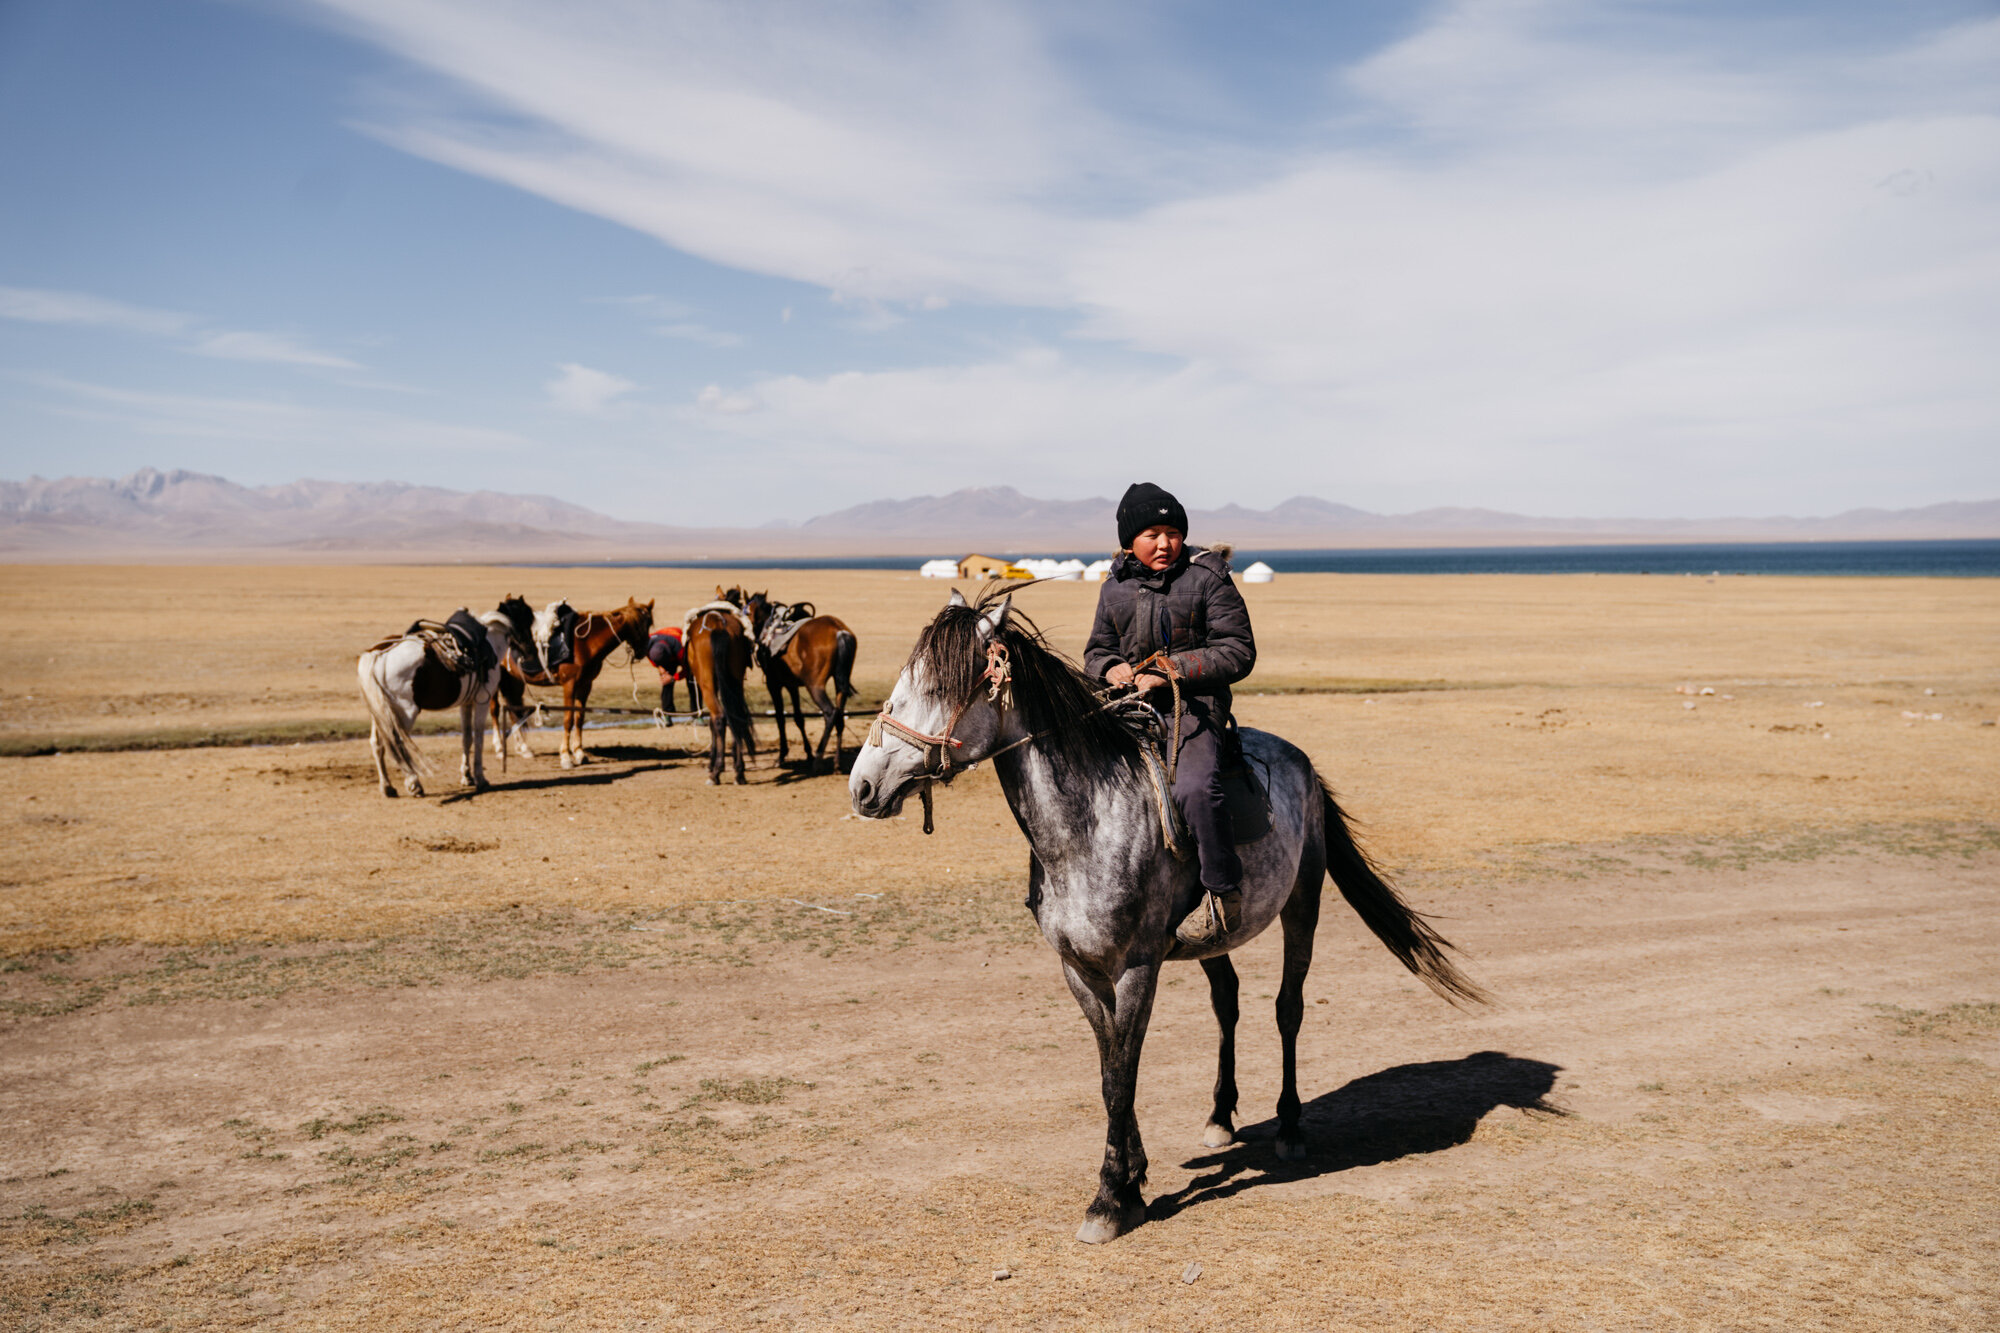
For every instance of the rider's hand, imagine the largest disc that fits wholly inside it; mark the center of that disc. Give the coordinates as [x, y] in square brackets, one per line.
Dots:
[1119, 674]
[1149, 681]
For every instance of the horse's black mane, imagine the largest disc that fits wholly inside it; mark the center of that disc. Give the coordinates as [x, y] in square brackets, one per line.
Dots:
[1055, 699]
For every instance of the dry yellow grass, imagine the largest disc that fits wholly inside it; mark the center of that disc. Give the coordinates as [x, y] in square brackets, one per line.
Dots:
[280, 1053]
[1549, 717]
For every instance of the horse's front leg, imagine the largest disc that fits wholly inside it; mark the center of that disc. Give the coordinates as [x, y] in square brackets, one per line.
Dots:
[475, 741]
[716, 740]
[582, 704]
[569, 725]
[1118, 1013]
[1222, 990]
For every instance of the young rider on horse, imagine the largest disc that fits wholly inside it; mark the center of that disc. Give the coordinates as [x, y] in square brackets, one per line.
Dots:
[1168, 608]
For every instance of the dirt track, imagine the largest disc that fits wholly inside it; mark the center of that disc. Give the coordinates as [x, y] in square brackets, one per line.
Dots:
[380, 1064]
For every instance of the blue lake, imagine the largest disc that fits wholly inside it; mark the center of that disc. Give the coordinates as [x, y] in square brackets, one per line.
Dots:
[1926, 559]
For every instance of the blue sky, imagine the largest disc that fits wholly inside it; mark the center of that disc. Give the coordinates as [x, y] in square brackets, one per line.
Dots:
[725, 263]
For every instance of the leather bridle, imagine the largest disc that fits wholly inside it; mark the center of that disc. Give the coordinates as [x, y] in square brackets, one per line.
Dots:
[940, 764]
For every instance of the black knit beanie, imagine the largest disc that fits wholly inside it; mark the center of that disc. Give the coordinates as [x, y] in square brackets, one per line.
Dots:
[1147, 506]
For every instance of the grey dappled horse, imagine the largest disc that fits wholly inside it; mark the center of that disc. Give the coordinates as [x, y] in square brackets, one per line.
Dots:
[983, 683]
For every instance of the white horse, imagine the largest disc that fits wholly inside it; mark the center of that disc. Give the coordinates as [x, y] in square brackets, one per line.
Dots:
[403, 676]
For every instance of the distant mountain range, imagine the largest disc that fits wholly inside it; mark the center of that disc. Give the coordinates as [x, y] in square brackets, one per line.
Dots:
[192, 515]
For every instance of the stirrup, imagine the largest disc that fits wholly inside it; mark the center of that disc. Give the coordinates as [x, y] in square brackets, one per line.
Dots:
[1210, 921]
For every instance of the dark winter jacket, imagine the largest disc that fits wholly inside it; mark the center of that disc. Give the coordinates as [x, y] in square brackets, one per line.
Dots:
[1189, 609]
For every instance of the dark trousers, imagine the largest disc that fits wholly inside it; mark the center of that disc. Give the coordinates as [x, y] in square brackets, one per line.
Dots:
[1198, 792]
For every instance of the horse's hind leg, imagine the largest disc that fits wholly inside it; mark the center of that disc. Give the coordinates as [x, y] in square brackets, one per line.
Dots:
[826, 717]
[1222, 990]
[381, 767]
[778, 711]
[1300, 919]
[1117, 1014]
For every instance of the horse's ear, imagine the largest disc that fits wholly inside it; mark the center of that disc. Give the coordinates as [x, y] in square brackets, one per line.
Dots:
[957, 598]
[993, 620]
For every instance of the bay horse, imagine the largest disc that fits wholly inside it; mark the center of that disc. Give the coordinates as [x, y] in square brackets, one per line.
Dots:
[1105, 890]
[820, 649]
[428, 669]
[597, 633]
[718, 657]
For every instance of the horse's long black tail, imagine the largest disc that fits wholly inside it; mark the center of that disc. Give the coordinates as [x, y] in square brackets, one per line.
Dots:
[729, 687]
[843, 665]
[1407, 932]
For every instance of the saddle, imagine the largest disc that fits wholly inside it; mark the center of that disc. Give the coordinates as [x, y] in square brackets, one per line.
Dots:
[1245, 794]
[459, 642]
[779, 630]
[555, 633]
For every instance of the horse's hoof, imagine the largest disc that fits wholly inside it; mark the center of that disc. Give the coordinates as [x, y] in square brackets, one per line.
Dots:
[742, 781]
[581, 758]
[390, 792]
[565, 760]
[414, 787]
[1291, 1150]
[714, 781]
[482, 785]
[1216, 1135]
[1097, 1230]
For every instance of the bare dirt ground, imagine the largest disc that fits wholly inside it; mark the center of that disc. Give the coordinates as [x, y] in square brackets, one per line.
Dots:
[612, 1049]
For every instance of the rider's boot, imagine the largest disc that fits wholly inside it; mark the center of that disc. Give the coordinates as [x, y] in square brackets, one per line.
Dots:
[1215, 916]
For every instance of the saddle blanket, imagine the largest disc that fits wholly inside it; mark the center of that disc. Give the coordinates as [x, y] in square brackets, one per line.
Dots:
[687, 622]
[778, 633]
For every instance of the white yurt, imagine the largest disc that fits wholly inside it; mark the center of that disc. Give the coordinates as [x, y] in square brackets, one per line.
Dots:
[1097, 571]
[1259, 573]
[1070, 571]
[939, 569]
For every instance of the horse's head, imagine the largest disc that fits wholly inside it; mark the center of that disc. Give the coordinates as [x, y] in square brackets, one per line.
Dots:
[521, 630]
[635, 624]
[758, 605]
[947, 711]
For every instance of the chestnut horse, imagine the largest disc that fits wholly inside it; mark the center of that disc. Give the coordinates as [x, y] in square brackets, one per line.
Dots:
[820, 649]
[718, 656]
[597, 634]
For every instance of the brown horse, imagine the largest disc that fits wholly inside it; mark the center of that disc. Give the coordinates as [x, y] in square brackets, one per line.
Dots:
[820, 649]
[718, 655]
[597, 634]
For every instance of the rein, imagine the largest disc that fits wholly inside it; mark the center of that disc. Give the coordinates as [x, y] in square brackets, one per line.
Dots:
[941, 766]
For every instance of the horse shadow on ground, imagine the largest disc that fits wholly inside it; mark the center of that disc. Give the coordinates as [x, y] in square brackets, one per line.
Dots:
[1399, 1112]
[572, 778]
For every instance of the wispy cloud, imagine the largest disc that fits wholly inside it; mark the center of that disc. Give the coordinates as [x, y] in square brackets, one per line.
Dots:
[688, 331]
[275, 425]
[37, 306]
[1538, 253]
[715, 399]
[189, 332]
[585, 391]
[272, 347]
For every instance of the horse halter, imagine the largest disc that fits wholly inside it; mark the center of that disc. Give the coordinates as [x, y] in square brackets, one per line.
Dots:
[939, 762]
